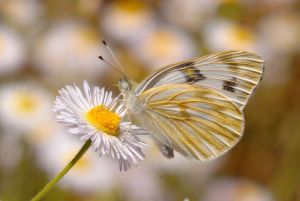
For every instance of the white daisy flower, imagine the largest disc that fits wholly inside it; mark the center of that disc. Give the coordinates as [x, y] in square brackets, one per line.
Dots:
[95, 115]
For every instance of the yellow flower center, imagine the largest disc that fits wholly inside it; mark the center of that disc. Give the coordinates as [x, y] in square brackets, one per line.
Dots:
[82, 166]
[25, 103]
[243, 35]
[131, 6]
[83, 40]
[104, 120]
[162, 43]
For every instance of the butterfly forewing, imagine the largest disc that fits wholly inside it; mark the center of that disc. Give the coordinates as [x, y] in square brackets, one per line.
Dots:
[234, 74]
[197, 121]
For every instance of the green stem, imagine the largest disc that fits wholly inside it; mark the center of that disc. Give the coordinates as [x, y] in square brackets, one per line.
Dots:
[52, 183]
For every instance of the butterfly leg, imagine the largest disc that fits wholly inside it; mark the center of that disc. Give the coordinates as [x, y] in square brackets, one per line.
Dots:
[167, 151]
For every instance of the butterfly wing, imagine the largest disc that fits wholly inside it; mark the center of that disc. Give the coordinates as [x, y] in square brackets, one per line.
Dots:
[199, 122]
[233, 73]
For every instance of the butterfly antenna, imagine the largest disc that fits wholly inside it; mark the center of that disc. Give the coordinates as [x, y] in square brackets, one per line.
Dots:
[113, 55]
[110, 65]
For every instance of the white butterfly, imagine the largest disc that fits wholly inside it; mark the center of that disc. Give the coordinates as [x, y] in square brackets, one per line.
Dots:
[195, 107]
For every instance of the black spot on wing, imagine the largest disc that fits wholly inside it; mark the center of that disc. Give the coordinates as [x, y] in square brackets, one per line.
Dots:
[228, 85]
[199, 75]
[185, 64]
[193, 75]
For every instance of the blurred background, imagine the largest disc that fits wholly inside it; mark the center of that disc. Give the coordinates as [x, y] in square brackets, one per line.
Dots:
[47, 44]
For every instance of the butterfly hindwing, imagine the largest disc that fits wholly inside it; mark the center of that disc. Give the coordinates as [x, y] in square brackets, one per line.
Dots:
[233, 73]
[198, 122]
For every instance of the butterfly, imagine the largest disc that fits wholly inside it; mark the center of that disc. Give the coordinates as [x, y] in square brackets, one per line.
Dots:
[195, 107]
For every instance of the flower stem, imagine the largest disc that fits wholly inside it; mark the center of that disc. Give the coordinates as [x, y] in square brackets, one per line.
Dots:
[48, 187]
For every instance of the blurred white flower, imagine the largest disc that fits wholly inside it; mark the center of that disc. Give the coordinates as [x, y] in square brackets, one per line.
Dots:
[143, 183]
[163, 46]
[69, 51]
[23, 106]
[12, 51]
[278, 36]
[95, 115]
[127, 21]
[193, 14]
[44, 131]
[22, 12]
[229, 189]
[223, 35]
[182, 166]
[179, 164]
[89, 8]
[148, 176]
[280, 32]
[88, 175]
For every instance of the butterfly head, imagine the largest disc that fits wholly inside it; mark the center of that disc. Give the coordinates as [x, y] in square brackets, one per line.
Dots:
[125, 85]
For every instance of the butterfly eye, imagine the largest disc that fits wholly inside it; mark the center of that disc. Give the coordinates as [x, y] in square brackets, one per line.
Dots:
[124, 85]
